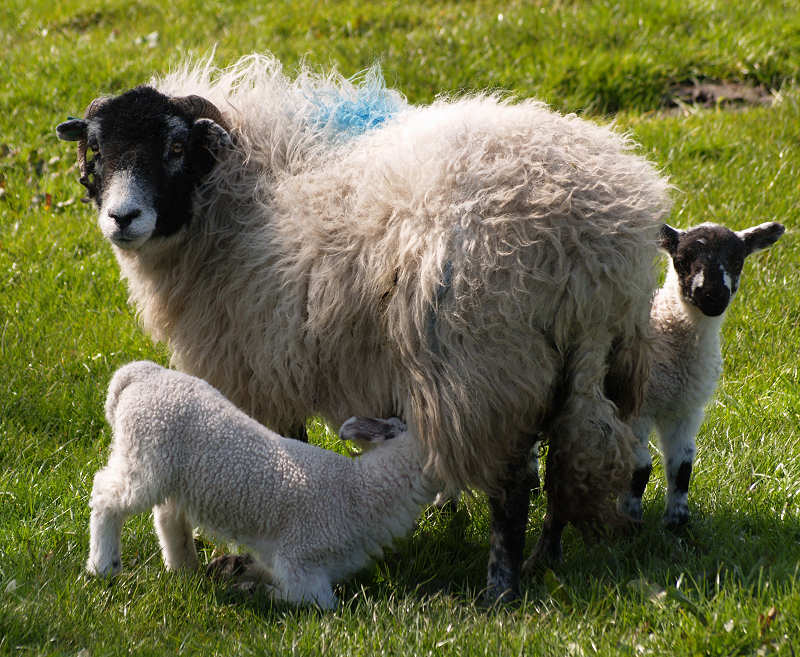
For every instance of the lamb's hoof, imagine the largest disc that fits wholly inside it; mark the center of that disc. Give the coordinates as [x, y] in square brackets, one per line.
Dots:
[107, 570]
[548, 553]
[543, 557]
[631, 508]
[676, 520]
[229, 566]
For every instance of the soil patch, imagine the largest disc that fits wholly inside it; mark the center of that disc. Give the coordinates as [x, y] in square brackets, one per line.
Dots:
[715, 94]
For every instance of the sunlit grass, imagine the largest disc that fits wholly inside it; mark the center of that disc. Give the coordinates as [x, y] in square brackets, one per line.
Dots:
[727, 585]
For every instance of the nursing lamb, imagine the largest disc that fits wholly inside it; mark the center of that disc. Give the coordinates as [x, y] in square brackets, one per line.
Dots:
[311, 516]
[486, 265]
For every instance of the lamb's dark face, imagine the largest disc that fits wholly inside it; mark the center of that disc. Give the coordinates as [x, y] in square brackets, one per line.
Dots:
[708, 260]
[141, 156]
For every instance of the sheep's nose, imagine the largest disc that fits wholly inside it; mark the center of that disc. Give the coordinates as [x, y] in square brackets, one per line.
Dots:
[714, 300]
[123, 219]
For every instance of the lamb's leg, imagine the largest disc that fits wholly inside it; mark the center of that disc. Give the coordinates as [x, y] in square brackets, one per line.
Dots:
[113, 500]
[509, 518]
[175, 536]
[548, 549]
[630, 503]
[678, 447]
[298, 586]
[105, 529]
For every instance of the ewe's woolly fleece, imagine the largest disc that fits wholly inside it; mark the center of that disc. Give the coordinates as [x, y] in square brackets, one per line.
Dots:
[454, 265]
[177, 438]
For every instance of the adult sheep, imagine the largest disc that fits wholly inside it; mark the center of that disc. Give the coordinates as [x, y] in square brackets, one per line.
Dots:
[486, 264]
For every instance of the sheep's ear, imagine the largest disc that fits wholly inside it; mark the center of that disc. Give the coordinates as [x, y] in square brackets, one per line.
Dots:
[370, 430]
[761, 236]
[207, 141]
[668, 239]
[72, 130]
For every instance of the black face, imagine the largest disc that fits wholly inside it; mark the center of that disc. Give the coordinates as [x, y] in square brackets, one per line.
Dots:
[708, 260]
[142, 154]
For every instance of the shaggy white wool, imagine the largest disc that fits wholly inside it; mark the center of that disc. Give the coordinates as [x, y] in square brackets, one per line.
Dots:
[312, 517]
[473, 258]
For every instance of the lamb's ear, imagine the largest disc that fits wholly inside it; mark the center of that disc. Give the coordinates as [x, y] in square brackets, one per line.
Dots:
[761, 236]
[668, 239]
[371, 431]
[207, 141]
[72, 130]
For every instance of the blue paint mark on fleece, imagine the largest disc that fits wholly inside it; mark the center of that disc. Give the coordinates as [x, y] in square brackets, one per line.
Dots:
[352, 109]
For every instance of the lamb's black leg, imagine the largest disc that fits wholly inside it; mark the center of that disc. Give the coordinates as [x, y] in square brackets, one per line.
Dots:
[548, 551]
[509, 518]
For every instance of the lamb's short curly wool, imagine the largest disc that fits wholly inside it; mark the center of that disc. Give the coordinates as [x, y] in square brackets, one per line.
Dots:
[312, 517]
[705, 265]
[486, 264]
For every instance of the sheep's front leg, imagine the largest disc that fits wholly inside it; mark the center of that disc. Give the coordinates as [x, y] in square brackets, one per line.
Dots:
[509, 518]
[678, 447]
[631, 502]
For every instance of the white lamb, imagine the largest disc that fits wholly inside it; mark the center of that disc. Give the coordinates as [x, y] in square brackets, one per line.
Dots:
[687, 314]
[312, 517]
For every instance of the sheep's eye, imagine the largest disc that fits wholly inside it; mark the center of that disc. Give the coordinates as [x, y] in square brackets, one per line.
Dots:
[176, 148]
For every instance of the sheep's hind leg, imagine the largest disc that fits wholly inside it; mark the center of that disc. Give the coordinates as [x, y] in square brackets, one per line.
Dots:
[509, 518]
[175, 536]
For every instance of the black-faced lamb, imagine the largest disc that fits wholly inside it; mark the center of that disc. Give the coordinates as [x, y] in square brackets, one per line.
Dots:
[485, 265]
[688, 311]
[311, 516]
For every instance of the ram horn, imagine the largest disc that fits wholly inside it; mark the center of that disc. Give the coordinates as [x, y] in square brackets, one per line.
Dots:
[200, 108]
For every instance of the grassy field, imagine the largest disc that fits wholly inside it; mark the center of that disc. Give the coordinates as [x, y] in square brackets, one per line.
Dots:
[728, 585]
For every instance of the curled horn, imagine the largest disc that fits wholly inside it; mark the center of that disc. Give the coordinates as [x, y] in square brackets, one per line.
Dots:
[87, 168]
[200, 108]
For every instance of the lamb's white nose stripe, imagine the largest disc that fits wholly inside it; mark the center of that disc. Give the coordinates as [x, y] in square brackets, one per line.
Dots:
[698, 280]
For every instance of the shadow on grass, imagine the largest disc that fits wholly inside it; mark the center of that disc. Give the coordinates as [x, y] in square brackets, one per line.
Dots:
[446, 559]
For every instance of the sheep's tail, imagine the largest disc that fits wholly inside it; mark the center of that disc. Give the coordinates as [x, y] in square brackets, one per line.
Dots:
[123, 377]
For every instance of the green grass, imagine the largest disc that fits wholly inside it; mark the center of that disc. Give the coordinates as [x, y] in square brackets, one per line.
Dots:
[729, 585]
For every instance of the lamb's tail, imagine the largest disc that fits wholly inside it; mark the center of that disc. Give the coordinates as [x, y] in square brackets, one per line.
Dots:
[123, 377]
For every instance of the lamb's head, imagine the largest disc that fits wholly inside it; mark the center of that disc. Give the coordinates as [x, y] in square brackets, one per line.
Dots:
[141, 156]
[708, 260]
[369, 432]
